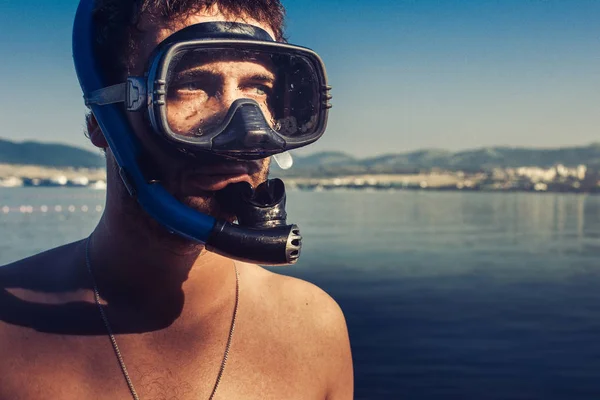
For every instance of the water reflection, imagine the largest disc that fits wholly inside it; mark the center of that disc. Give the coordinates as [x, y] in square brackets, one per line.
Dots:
[384, 222]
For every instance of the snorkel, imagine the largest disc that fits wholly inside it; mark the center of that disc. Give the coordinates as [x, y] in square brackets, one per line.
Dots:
[262, 234]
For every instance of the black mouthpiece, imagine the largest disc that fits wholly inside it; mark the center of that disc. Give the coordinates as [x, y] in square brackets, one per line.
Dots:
[262, 232]
[260, 208]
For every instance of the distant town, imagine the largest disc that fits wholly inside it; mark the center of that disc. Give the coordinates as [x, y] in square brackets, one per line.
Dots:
[39, 176]
[524, 179]
[558, 178]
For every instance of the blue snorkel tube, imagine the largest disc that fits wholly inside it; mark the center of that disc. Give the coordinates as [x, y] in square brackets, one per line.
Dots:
[267, 243]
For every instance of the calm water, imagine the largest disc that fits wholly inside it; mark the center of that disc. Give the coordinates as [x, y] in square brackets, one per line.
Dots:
[447, 295]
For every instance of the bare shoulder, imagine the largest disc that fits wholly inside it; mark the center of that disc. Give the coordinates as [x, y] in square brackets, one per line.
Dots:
[295, 297]
[29, 284]
[304, 315]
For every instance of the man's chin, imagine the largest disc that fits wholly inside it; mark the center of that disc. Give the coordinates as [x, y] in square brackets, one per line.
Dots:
[207, 203]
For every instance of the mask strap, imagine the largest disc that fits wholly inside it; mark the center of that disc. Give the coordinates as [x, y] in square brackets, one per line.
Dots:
[132, 93]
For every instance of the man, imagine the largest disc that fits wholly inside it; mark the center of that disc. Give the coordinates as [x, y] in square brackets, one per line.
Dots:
[183, 322]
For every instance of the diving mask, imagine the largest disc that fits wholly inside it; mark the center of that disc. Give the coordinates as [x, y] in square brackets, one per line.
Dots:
[243, 96]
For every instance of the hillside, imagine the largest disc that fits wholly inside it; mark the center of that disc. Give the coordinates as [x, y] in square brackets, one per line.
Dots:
[337, 163]
[332, 164]
[48, 155]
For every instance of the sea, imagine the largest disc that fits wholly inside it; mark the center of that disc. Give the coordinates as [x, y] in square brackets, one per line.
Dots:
[447, 295]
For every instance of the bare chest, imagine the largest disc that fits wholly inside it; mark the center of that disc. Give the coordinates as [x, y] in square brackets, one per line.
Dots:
[157, 383]
[86, 367]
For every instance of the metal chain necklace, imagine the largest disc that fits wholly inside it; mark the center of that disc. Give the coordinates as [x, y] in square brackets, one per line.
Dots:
[114, 341]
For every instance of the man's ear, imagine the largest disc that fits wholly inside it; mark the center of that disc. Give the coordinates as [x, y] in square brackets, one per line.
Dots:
[95, 133]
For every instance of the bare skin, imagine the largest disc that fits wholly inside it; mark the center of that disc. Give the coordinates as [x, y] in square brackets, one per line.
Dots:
[170, 305]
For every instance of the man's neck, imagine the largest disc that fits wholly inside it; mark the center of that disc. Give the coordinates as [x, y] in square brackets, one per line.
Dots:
[158, 279]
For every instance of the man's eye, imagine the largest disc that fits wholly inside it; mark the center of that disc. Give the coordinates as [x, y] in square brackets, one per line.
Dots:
[188, 87]
[260, 90]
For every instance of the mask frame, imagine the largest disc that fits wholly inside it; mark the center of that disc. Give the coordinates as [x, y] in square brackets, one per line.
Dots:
[148, 94]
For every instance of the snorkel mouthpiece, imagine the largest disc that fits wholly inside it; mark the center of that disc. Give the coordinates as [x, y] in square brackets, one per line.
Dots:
[261, 212]
[260, 208]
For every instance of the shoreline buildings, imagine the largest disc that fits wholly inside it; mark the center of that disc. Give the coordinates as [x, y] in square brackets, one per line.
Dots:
[558, 178]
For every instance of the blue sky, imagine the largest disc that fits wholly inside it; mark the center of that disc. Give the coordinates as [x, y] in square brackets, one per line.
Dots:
[407, 74]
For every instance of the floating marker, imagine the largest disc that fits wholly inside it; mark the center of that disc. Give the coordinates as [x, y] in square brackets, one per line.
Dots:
[28, 209]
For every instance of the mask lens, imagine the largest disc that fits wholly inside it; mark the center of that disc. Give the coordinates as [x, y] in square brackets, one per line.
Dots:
[202, 84]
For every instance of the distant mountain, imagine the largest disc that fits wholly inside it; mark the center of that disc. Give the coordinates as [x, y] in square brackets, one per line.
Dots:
[48, 155]
[338, 163]
[327, 158]
[331, 164]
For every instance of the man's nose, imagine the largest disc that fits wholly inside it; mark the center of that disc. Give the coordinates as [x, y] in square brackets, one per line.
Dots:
[229, 93]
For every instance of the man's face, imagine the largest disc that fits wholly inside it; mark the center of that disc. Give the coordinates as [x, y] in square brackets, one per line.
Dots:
[205, 90]
[203, 84]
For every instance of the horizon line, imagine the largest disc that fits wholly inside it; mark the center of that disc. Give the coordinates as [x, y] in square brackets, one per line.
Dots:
[308, 154]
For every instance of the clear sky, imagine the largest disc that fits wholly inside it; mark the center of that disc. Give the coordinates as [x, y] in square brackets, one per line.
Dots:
[407, 74]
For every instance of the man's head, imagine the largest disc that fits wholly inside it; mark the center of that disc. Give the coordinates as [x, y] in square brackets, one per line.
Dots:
[127, 32]
[127, 28]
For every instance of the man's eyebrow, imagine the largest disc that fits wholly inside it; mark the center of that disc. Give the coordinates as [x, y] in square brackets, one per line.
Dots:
[203, 75]
[267, 78]
[195, 73]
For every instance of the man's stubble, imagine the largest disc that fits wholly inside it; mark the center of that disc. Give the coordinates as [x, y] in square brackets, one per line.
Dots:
[135, 221]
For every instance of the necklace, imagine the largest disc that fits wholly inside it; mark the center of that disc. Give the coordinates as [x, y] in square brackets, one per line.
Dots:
[114, 341]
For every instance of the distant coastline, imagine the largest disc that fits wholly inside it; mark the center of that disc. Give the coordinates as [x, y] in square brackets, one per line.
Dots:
[442, 181]
[569, 169]
[524, 179]
[39, 176]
